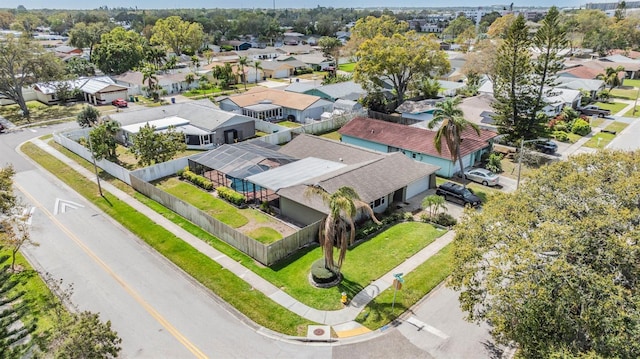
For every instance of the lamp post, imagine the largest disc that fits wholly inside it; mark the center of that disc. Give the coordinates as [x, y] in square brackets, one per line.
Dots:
[522, 154]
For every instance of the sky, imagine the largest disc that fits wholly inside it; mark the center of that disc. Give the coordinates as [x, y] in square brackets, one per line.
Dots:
[209, 4]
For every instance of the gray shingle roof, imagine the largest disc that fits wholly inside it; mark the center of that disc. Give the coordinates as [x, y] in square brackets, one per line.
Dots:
[303, 146]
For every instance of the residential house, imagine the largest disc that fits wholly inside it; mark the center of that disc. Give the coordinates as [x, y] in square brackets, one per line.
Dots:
[292, 61]
[317, 61]
[268, 53]
[348, 90]
[277, 69]
[172, 82]
[96, 91]
[237, 45]
[556, 98]
[273, 105]
[416, 143]
[418, 110]
[295, 49]
[379, 179]
[478, 109]
[593, 87]
[204, 125]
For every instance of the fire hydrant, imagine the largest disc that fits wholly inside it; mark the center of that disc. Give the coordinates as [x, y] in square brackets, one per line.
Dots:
[343, 298]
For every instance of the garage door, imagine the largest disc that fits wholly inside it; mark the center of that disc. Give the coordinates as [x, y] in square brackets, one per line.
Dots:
[418, 186]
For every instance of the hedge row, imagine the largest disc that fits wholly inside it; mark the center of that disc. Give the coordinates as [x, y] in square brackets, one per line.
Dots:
[197, 180]
[230, 195]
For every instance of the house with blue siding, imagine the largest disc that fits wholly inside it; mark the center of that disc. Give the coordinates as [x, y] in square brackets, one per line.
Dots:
[416, 143]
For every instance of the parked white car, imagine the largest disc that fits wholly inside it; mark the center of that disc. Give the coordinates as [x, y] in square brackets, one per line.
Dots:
[482, 175]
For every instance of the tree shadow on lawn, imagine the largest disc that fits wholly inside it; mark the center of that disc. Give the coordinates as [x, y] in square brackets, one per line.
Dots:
[350, 287]
[293, 257]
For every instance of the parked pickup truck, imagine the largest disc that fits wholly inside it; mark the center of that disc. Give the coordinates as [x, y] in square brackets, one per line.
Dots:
[593, 110]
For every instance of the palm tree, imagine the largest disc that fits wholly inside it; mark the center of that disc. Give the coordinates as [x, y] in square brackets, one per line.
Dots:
[242, 62]
[338, 229]
[452, 124]
[256, 65]
[149, 76]
[189, 79]
[610, 77]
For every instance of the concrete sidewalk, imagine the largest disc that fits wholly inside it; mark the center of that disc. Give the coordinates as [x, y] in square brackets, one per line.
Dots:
[342, 320]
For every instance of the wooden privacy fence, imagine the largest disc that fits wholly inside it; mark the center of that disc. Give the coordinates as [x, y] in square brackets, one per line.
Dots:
[265, 254]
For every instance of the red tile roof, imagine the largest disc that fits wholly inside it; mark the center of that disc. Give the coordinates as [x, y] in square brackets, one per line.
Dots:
[413, 138]
[583, 72]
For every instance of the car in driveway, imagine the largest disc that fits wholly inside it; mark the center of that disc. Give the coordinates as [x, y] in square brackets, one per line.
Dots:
[546, 146]
[457, 193]
[482, 175]
[593, 110]
[120, 102]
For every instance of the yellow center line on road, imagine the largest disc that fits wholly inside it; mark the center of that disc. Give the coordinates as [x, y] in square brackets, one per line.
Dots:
[165, 323]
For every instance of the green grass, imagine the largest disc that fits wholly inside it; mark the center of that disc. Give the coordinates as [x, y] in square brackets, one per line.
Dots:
[596, 122]
[629, 94]
[229, 287]
[416, 285]
[40, 112]
[265, 235]
[363, 264]
[632, 113]
[36, 292]
[614, 107]
[289, 124]
[601, 140]
[632, 82]
[347, 67]
[217, 208]
[334, 135]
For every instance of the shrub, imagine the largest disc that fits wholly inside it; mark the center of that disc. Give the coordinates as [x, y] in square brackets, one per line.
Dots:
[195, 179]
[230, 195]
[408, 216]
[181, 172]
[581, 127]
[560, 126]
[494, 164]
[561, 136]
[425, 218]
[320, 274]
[445, 219]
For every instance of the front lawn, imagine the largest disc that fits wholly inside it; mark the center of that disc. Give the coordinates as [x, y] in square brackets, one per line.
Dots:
[629, 94]
[349, 67]
[416, 285]
[614, 107]
[602, 139]
[40, 112]
[264, 235]
[633, 112]
[363, 264]
[631, 82]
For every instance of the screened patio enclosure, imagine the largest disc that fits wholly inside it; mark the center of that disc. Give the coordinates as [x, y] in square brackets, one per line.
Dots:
[229, 165]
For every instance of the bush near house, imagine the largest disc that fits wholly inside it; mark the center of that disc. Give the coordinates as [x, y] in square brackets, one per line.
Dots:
[197, 180]
[230, 195]
[581, 127]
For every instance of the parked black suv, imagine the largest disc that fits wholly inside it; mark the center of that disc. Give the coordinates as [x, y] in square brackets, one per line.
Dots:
[455, 192]
[547, 146]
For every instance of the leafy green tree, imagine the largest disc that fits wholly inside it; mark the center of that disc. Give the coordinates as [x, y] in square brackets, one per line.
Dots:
[330, 47]
[88, 117]
[119, 51]
[177, 34]
[513, 86]
[370, 27]
[7, 198]
[86, 337]
[154, 56]
[88, 35]
[22, 63]
[429, 88]
[150, 146]
[555, 266]
[499, 28]
[549, 40]
[399, 59]
[103, 140]
[80, 67]
[482, 61]
[338, 229]
[452, 123]
[457, 26]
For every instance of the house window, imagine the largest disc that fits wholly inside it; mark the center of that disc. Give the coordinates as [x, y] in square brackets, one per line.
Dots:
[413, 155]
[378, 202]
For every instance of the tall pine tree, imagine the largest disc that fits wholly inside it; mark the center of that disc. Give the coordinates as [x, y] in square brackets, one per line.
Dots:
[514, 87]
[548, 41]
